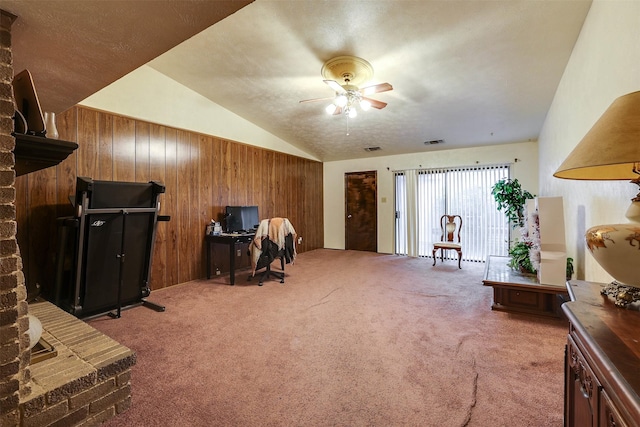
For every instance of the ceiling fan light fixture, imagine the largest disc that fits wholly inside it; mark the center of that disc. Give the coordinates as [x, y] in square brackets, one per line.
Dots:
[345, 74]
[331, 109]
[341, 100]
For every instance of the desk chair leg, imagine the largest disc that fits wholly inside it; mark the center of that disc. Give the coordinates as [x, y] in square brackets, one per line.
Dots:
[264, 274]
[282, 268]
[459, 258]
[434, 256]
[270, 273]
[278, 275]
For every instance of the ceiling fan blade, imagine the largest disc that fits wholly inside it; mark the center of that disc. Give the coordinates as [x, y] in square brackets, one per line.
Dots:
[334, 85]
[375, 103]
[382, 87]
[315, 100]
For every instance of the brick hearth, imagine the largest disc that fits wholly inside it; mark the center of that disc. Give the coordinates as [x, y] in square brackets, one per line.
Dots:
[87, 382]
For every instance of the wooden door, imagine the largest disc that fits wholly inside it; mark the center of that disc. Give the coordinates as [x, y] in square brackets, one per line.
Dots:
[361, 222]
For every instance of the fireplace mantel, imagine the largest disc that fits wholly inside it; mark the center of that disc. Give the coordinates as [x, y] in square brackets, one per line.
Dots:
[33, 153]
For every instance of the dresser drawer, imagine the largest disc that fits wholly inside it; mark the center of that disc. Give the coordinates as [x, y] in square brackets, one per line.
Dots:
[609, 414]
[582, 387]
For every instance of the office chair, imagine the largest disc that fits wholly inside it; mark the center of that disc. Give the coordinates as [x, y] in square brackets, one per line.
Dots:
[275, 239]
[450, 237]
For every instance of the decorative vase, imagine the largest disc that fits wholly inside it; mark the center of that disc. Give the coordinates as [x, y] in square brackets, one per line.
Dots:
[50, 125]
[616, 247]
[34, 331]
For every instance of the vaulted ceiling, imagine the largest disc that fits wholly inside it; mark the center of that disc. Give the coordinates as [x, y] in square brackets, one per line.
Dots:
[74, 48]
[470, 73]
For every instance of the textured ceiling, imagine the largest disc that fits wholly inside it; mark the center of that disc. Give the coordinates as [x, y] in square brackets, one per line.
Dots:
[470, 73]
[75, 48]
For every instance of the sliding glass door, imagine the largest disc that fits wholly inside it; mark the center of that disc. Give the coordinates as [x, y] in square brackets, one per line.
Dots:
[423, 196]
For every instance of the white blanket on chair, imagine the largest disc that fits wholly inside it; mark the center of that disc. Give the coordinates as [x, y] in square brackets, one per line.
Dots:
[275, 229]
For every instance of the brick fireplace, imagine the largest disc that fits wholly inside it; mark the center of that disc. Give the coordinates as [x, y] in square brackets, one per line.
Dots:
[87, 378]
[86, 383]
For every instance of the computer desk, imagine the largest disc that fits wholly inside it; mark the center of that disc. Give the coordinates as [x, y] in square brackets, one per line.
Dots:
[229, 239]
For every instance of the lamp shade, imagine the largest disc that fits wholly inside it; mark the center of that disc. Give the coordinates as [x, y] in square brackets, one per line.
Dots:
[611, 151]
[611, 148]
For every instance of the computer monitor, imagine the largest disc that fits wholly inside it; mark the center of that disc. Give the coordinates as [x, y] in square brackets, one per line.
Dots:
[241, 218]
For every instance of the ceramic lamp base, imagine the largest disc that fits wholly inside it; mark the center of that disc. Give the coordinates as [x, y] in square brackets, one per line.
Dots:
[616, 247]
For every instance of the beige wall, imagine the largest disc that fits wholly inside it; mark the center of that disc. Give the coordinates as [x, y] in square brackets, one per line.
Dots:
[525, 170]
[605, 64]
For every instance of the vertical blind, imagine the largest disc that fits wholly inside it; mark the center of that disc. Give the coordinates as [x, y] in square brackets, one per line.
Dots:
[423, 196]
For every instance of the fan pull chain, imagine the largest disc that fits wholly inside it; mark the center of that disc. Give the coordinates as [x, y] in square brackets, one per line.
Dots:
[347, 125]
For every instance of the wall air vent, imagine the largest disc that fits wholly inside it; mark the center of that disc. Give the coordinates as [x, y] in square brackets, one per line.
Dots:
[434, 141]
[372, 149]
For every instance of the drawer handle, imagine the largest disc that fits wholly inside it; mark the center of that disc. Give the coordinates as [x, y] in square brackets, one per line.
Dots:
[586, 382]
[584, 392]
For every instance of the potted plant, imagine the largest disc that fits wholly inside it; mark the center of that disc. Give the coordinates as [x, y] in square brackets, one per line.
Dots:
[570, 268]
[511, 199]
[520, 259]
[510, 196]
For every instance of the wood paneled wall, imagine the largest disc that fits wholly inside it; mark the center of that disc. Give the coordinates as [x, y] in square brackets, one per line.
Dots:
[202, 175]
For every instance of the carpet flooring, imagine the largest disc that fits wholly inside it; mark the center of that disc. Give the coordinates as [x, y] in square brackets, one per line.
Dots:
[351, 339]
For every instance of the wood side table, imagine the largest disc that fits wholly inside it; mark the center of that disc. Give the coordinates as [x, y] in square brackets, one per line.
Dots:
[517, 292]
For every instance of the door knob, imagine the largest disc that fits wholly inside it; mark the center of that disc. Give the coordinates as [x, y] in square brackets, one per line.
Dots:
[348, 216]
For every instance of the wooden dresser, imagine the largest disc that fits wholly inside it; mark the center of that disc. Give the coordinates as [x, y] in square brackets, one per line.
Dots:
[602, 361]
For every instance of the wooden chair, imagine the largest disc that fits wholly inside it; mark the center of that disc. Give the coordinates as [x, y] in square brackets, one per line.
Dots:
[450, 238]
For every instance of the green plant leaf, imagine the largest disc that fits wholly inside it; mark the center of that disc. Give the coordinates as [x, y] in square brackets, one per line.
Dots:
[510, 196]
[520, 259]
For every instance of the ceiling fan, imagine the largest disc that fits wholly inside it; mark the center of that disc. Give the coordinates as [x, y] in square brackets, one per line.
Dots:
[351, 72]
